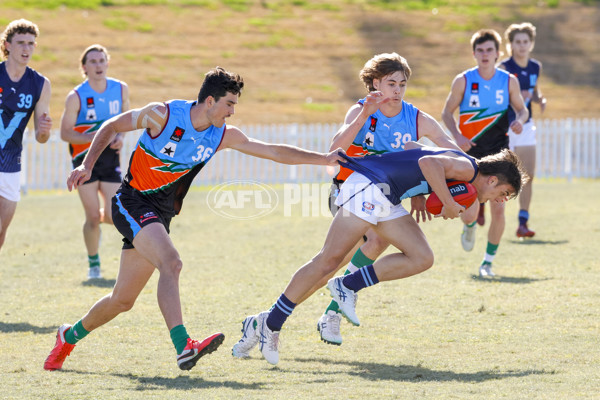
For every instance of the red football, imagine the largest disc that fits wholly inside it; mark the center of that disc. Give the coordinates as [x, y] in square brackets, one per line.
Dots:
[463, 193]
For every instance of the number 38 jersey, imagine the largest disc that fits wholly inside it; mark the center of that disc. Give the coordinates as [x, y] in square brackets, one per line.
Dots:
[483, 112]
[163, 167]
[381, 134]
[94, 109]
[17, 103]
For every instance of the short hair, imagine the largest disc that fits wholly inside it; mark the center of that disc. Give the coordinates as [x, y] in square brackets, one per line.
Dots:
[483, 35]
[383, 65]
[514, 29]
[218, 82]
[17, 26]
[94, 47]
[507, 167]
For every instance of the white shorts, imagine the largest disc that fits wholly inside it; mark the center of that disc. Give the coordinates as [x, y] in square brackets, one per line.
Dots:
[10, 185]
[364, 199]
[525, 138]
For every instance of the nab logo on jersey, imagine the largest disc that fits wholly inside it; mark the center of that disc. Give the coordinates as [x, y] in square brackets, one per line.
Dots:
[177, 134]
[90, 102]
[475, 87]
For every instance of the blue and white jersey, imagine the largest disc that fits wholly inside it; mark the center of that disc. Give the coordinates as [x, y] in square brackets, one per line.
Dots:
[17, 103]
[381, 134]
[164, 166]
[484, 111]
[527, 77]
[94, 109]
[400, 171]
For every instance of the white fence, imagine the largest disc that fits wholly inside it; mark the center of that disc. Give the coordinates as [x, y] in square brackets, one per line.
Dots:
[565, 149]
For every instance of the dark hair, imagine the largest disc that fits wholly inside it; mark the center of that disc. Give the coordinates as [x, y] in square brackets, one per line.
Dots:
[507, 167]
[218, 82]
[17, 26]
[483, 35]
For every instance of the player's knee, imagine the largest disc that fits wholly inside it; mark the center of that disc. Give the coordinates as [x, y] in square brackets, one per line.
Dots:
[327, 263]
[93, 220]
[172, 266]
[122, 304]
[424, 260]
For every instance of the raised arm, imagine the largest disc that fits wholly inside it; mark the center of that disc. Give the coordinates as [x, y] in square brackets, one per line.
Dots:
[151, 117]
[281, 153]
[41, 114]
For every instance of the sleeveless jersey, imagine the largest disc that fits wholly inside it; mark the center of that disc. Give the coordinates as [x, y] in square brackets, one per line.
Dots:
[483, 112]
[400, 172]
[94, 109]
[527, 77]
[163, 167]
[17, 103]
[381, 134]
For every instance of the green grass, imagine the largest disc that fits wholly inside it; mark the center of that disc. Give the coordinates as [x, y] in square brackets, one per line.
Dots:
[444, 334]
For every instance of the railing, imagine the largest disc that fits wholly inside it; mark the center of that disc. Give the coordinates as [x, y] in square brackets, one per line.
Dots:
[566, 148]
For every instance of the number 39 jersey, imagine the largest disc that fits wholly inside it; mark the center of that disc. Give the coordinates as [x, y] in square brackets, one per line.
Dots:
[163, 167]
[483, 112]
[17, 103]
[381, 134]
[94, 109]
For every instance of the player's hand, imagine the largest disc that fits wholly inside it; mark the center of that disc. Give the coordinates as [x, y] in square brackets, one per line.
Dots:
[78, 177]
[117, 143]
[334, 158]
[516, 126]
[417, 204]
[44, 126]
[373, 101]
[464, 143]
[543, 104]
[452, 210]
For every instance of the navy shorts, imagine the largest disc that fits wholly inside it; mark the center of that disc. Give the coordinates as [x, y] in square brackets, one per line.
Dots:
[131, 211]
[106, 169]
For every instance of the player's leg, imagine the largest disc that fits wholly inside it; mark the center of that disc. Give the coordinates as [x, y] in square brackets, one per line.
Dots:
[107, 191]
[134, 273]
[527, 155]
[10, 186]
[7, 212]
[494, 235]
[88, 194]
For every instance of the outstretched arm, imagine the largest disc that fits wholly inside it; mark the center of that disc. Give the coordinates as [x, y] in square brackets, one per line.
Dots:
[281, 153]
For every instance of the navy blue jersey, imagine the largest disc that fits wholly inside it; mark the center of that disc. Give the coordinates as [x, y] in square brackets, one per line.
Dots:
[527, 77]
[400, 171]
[17, 103]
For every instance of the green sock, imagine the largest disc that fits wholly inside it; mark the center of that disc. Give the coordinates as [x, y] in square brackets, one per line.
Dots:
[490, 253]
[359, 260]
[179, 337]
[94, 261]
[75, 333]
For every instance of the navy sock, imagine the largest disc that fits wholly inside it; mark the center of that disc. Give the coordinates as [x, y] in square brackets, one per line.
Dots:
[523, 217]
[281, 310]
[361, 279]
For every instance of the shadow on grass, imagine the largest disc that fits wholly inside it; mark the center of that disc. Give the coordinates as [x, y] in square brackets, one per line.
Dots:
[103, 283]
[537, 241]
[416, 373]
[507, 279]
[7, 327]
[178, 383]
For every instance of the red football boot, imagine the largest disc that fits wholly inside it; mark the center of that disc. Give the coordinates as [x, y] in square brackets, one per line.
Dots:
[524, 232]
[60, 351]
[195, 349]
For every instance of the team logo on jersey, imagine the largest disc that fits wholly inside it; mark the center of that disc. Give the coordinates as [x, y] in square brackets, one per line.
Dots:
[474, 101]
[474, 87]
[369, 139]
[91, 115]
[177, 134]
[90, 102]
[373, 124]
[473, 124]
[169, 149]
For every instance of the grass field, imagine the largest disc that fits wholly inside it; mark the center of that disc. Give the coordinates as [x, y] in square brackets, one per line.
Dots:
[532, 333]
